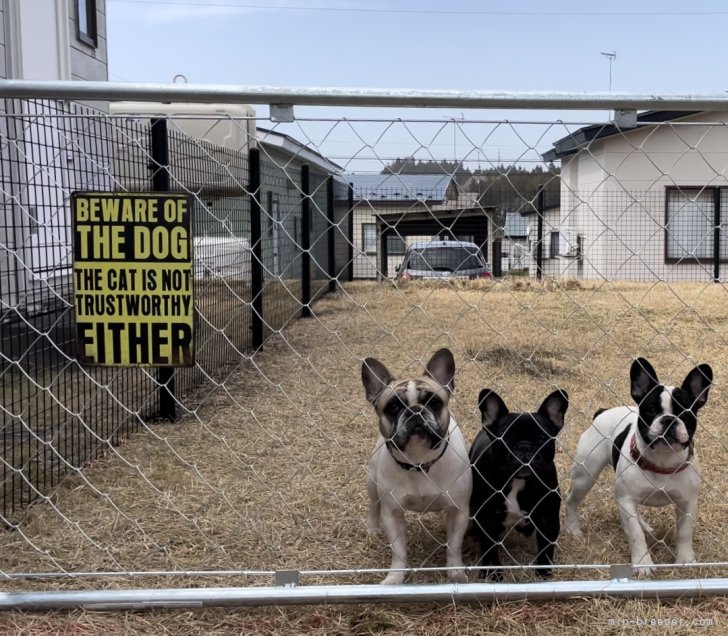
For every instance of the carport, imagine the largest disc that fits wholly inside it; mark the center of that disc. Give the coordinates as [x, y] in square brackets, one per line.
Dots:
[447, 224]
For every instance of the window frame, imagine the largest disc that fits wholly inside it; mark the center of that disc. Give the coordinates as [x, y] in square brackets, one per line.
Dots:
[554, 249]
[272, 210]
[373, 250]
[88, 33]
[687, 259]
[398, 251]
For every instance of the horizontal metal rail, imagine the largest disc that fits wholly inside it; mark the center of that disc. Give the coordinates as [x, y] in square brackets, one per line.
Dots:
[240, 94]
[339, 594]
[17, 576]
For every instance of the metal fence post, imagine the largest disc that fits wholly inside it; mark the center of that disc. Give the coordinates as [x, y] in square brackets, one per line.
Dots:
[539, 232]
[306, 241]
[350, 214]
[716, 234]
[160, 183]
[497, 258]
[331, 233]
[256, 256]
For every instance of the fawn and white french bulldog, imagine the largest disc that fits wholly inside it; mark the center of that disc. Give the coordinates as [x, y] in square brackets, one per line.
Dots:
[651, 450]
[420, 461]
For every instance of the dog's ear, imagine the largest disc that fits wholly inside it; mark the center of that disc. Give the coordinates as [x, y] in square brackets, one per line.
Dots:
[491, 406]
[375, 377]
[697, 384]
[554, 408]
[643, 379]
[441, 368]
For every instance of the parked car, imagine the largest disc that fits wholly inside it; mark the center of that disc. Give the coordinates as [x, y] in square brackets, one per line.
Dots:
[443, 260]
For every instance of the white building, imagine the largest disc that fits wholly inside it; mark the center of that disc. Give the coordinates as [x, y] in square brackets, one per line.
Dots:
[641, 203]
[45, 40]
[53, 39]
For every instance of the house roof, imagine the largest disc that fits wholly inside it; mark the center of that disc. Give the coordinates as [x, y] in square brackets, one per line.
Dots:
[571, 144]
[399, 187]
[297, 149]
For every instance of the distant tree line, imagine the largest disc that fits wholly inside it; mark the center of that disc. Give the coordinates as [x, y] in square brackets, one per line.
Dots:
[507, 188]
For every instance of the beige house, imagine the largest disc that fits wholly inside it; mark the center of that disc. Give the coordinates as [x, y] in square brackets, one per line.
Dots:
[396, 203]
[642, 203]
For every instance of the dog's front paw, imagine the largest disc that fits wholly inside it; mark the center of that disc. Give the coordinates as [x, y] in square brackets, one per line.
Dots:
[573, 528]
[373, 526]
[457, 576]
[393, 578]
[644, 568]
[685, 555]
[544, 573]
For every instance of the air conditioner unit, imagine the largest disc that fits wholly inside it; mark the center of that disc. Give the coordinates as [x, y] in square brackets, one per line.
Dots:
[570, 244]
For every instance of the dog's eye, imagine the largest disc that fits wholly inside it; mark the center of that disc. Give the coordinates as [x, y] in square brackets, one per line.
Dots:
[650, 409]
[434, 403]
[393, 407]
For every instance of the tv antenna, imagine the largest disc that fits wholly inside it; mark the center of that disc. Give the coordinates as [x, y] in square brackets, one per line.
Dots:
[611, 57]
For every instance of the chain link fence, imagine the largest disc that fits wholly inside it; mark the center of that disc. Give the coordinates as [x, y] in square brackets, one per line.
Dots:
[318, 244]
[57, 416]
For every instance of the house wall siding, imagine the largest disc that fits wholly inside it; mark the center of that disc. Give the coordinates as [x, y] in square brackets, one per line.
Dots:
[3, 69]
[367, 265]
[87, 62]
[651, 158]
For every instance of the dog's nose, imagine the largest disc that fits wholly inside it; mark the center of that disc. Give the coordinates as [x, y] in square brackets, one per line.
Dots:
[523, 452]
[418, 426]
[669, 424]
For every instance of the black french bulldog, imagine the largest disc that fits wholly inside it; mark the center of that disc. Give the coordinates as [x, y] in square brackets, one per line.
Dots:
[514, 478]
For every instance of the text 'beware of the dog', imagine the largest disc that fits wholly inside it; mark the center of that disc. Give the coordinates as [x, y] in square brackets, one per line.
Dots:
[132, 275]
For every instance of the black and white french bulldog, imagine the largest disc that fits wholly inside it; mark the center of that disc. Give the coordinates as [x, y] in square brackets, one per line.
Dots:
[515, 484]
[651, 450]
[420, 461]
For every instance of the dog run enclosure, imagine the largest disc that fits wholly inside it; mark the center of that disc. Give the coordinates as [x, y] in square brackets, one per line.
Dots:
[606, 242]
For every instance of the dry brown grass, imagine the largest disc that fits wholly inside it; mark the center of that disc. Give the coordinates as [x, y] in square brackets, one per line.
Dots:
[269, 473]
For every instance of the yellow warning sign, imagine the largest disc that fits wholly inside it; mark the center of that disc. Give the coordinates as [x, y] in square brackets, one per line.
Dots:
[133, 278]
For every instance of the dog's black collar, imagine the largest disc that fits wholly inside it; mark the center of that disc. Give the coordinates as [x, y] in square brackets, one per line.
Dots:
[421, 467]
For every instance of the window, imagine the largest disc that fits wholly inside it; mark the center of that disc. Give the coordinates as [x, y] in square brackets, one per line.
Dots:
[554, 245]
[369, 238]
[272, 211]
[443, 259]
[86, 22]
[689, 227]
[396, 245]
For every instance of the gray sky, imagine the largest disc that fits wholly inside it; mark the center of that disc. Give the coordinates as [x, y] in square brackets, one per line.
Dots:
[661, 47]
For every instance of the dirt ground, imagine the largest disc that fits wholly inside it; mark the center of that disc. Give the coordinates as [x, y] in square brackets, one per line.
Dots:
[268, 473]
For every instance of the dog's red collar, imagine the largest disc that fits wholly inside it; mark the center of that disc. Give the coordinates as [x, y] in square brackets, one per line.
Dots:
[640, 460]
